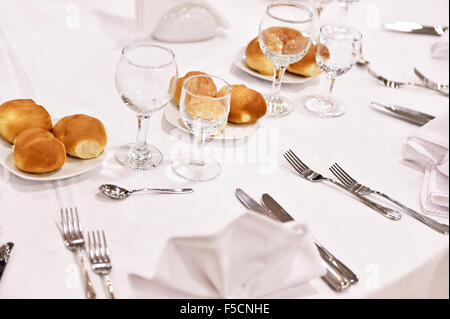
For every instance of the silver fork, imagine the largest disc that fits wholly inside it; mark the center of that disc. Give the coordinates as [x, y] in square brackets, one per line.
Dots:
[73, 239]
[360, 189]
[99, 257]
[398, 84]
[312, 176]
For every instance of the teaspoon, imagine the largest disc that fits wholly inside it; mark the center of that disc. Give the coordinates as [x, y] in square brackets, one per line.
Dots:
[118, 192]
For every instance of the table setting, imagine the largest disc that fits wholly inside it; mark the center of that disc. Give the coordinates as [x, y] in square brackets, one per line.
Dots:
[283, 149]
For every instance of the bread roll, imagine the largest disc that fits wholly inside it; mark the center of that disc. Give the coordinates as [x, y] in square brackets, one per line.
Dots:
[83, 136]
[256, 59]
[19, 115]
[246, 106]
[38, 151]
[307, 66]
[199, 86]
[284, 40]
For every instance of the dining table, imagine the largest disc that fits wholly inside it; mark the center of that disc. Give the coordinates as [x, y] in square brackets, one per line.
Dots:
[63, 55]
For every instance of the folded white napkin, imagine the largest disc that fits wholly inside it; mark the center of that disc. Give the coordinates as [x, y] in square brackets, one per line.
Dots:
[429, 148]
[156, 18]
[249, 258]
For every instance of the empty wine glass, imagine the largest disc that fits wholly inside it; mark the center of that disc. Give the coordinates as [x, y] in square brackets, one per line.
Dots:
[337, 51]
[285, 34]
[145, 79]
[345, 5]
[203, 115]
[319, 5]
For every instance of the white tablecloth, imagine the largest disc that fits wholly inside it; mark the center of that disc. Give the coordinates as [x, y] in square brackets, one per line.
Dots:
[63, 54]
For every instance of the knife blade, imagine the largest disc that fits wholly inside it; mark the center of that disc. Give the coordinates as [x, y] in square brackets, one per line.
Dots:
[412, 27]
[283, 215]
[411, 116]
[5, 252]
[332, 277]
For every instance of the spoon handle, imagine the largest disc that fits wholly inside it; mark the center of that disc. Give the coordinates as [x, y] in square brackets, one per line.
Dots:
[165, 190]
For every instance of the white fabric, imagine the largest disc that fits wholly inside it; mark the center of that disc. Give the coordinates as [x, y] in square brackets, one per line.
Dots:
[64, 56]
[428, 147]
[249, 258]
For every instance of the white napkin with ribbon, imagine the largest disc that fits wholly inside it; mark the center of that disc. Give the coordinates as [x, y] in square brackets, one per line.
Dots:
[429, 148]
[149, 14]
[249, 258]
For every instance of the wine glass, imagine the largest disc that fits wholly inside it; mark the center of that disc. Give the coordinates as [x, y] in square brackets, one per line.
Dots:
[319, 5]
[285, 34]
[337, 51]
[203, 115]
[145, 79]
[345, 5]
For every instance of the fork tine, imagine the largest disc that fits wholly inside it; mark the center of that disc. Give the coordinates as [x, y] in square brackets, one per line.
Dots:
[293, 164]
[106, 245]
[338, 175]
[345, 173]
[69, 218]
[63, 224]
[89, 244]
[79, 227]
[299, 161]
[101, 247]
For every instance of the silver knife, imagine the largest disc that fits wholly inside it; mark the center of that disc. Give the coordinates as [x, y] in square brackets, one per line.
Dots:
[333, 278]
[5, 252]
[412, 27]
[284, 216]
[411, 116]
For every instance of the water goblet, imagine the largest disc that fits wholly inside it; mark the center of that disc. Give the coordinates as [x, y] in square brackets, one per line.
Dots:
[145, 79]
[285, 35]
[203, 115]
[337, 51]
[345, 5]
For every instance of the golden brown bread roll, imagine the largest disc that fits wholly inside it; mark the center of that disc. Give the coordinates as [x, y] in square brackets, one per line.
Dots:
[256, 59]
[246, 106]
[38, 151]
[19, 115]
[82, 135]
[307, 66]
[199, 86]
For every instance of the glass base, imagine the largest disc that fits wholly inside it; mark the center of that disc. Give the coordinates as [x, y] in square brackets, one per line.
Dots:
[324, 106]
[184, 167]
[278, 106]
[147, 159]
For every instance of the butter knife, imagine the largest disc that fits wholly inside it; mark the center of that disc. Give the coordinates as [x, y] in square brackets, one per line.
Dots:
[412, 27]
[5, 252]
[411, 116]
[333, 278]
[284, 216]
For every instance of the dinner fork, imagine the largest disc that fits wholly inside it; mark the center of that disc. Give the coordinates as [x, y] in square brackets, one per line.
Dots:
[73, 239]
[312, 176]
[398, 84]
[99, 257]
[360, 189]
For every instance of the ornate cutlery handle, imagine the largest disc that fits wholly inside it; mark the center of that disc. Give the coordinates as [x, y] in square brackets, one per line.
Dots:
[165, 190]
[385, 211]
[443, 92]
[334, 279]
[339, 265]
[441, 228]
[88, 287]
[109, 287]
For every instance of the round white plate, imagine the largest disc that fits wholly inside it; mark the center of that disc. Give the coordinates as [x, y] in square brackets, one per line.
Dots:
[288, 77]
[72, 167]
[230, 132]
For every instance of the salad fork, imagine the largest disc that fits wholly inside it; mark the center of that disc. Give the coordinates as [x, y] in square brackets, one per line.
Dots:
[398, 84]
[312, 176]
[360, 189]
[99, 257]
[73, 239]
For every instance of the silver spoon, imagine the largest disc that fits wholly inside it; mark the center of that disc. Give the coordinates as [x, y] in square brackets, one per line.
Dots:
[118, 192]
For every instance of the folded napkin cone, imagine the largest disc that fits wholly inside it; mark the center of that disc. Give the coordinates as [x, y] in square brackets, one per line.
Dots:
[251, 257]
[429, 148]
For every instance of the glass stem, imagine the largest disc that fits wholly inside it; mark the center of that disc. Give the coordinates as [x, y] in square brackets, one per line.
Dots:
[197, 158]
[139, 150]
[278, 72]
[332, 80]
